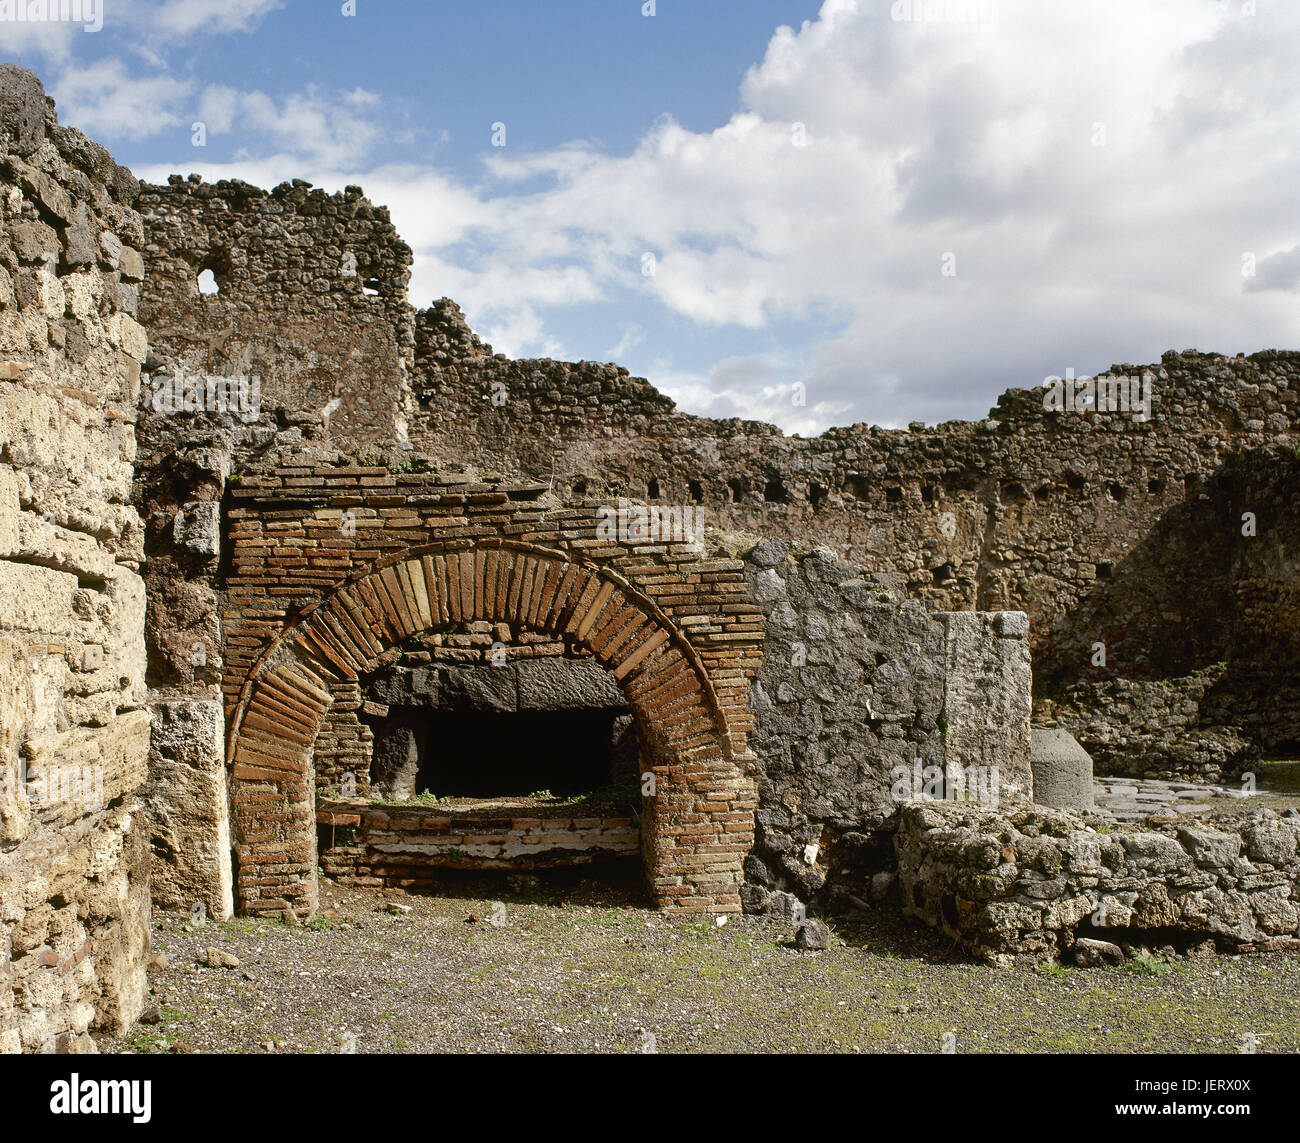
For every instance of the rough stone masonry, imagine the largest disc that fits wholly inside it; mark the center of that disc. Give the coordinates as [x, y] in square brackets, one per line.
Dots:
[233, 531]
[74, 731]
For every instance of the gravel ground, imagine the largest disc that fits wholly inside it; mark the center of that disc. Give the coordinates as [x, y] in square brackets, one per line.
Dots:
[583, 966]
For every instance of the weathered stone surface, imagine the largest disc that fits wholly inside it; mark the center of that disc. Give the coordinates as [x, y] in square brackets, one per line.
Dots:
[186, 803]
[198, 528]
[862, 704]
[567, 684]
[74, 858]
[1062, 770]
[22, 109]
[813, 934]
[1089, 953]
[1018, 885]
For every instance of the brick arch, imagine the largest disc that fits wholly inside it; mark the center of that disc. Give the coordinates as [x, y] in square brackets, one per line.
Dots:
[696, 827]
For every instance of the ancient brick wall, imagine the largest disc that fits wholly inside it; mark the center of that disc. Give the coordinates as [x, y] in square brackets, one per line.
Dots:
[74, 734]
[335, 569]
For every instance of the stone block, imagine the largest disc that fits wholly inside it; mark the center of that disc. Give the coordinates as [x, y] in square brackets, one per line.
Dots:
[1062, 770]
[187, 806]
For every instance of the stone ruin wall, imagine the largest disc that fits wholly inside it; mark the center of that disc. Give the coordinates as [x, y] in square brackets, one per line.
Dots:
[74, 731]
[862, 699]
[1029, 884]
[1027, 510]
[1100, 528]
[309, 321]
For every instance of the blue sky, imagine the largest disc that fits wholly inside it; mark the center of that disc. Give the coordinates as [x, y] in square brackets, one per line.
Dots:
[903, 208]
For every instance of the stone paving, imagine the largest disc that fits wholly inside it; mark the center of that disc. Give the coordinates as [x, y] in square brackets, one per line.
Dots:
[1136, 799]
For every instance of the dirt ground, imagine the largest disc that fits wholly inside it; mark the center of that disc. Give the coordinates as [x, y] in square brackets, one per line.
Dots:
[571, 965]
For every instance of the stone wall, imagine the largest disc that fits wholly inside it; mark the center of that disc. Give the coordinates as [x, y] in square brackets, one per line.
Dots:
[311, 309]
[1156, 728]
[1104, 528]
[1027, 885]
[1094, 523]
[310, 299]
[857, 690]
[74, 734]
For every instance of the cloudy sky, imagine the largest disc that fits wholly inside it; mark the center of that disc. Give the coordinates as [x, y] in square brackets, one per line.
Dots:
[887, 210]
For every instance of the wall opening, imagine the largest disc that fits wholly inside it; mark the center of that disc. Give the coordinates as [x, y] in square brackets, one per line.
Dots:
[447, 754]
[857, 486]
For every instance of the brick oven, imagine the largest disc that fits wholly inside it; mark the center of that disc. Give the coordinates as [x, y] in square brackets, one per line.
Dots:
[427, 671]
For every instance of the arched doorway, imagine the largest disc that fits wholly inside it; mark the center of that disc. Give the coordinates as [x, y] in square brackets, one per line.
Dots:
[697, 824]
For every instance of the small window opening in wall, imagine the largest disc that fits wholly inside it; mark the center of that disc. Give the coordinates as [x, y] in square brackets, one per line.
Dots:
[893, 494]
[1043, 493]
[1156, 487]
[1105, 570]
[944, 573]
[857, 486]
[1189, 483]
[214, 271]
[927, 493]
[579, 488]
[1116, 492]
[370, 287]
[1075, 481]
[652, 489]
[737, 489]
[696, 491]
[774, 492]
[816, 495]
[1013, 492]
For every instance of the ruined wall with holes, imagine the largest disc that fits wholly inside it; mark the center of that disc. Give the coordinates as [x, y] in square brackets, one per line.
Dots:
[335, 570]
[1031, 510]
[1103, 528]
[309, 321]
[311, 299]
[1097, 525]
[74, 734]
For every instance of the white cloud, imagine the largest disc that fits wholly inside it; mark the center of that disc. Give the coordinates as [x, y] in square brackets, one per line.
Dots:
[50, 40]
[633, 335]
[1096, 170]
[316, 127]
[107, 97]
[750, 388]
[176, 20]
[918, 140]
[1280, 271]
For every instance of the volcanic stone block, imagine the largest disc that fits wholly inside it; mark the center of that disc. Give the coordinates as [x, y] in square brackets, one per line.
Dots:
[1062, 770]
[187, 807]
[566, 684]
